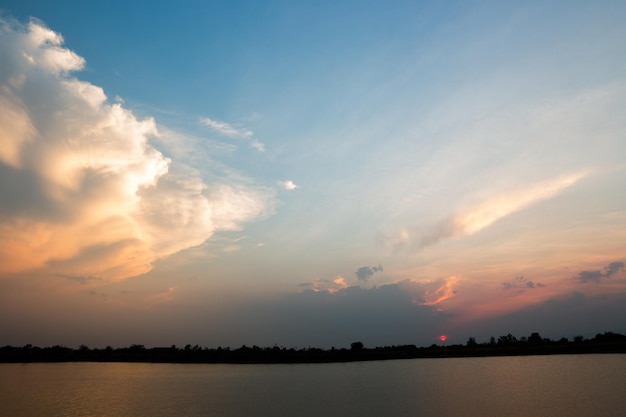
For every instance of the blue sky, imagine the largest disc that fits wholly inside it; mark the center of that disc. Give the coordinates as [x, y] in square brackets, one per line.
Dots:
[311, 173]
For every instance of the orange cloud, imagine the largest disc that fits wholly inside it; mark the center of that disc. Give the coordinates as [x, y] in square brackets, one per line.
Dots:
[506, 203]
[85, 192]
[441, 293]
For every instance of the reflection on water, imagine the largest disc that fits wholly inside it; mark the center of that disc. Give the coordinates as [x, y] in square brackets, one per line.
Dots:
[563, 385]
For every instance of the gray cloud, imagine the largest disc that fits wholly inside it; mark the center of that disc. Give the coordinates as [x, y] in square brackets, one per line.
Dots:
[365, 272]
[521, 283]
[595, 276]
[384, 315]
[613, 268]
[567, 315]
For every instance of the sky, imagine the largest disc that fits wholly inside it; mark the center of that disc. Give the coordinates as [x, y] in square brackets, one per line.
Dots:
[300, 174]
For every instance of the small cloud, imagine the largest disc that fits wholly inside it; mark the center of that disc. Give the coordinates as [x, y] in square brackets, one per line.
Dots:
[340, 283]
[288, 185]
[365, 272]
[595, 276]
[233, 131]
[231, 248]
[226, 128]
[325, 285]
[257, 145]
[521, 282]
[82, 280]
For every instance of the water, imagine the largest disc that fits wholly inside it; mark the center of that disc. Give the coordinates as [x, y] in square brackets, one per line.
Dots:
[551, 386]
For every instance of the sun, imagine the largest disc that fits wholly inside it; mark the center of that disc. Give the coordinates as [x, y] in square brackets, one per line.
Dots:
[443, 337]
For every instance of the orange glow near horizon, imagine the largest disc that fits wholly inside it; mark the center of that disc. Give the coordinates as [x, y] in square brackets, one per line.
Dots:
[443, 337]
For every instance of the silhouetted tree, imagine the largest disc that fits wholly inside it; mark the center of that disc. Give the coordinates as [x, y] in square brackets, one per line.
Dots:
[509, 339]
[535, 339]
[356, 346]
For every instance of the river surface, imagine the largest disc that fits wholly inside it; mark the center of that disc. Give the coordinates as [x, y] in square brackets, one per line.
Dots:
[550, 386]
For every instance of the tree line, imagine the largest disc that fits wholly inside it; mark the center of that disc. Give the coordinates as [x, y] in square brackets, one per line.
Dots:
[506, 345]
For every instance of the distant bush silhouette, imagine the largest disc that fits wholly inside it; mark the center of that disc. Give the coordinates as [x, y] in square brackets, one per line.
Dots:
[608, 342]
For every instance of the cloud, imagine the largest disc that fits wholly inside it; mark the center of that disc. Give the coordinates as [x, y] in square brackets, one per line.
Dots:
[257, 145]
[288, 185]
[233, 132]
[84, 191]
[483, 214]
[226, 129]
[611, 269]
[331, 286]
[565, 315]
[430, 292]
[521, 283]
[43, 47]
[378, 316]
[365, 272]
[80, 279]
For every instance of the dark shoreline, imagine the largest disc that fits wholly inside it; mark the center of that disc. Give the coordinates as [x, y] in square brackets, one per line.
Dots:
[505, 346]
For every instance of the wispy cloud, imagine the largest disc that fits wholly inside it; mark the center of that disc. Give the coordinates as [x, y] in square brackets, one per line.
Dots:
[85, 192]
[229, 130]
[507, 203]
[482, 215]
[226, 128]
[430, 292]
[257, 145]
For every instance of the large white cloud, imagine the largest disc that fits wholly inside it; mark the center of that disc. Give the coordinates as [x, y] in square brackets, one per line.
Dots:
[83, 192]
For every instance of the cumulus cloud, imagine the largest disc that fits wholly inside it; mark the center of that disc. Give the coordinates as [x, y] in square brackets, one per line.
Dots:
[611, 269]
[84, 191]
[365, 272]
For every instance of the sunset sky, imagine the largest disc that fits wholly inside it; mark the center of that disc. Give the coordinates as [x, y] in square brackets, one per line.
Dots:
[311, 173]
